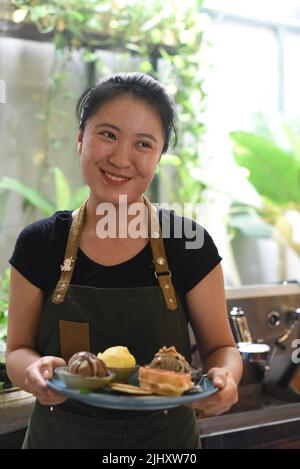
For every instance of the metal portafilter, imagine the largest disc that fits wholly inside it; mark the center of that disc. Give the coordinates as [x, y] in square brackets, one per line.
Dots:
[255, 355]
[240, 325]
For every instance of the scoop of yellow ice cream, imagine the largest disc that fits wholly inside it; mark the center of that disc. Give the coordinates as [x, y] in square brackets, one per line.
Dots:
[117, 357]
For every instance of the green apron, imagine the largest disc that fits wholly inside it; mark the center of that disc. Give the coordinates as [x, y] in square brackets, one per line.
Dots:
[143, 319]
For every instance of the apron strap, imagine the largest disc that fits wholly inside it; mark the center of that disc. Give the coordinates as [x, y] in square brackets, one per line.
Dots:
[162, 271]
[70, 256]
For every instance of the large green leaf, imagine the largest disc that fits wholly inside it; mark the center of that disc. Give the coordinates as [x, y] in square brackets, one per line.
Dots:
[30, 195]
[274, 172]
[62, 189]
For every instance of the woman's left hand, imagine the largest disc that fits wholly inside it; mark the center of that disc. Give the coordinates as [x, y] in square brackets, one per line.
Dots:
[221, 401]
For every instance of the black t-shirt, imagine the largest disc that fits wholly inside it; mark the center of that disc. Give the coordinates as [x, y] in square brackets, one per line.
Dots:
[40, 248]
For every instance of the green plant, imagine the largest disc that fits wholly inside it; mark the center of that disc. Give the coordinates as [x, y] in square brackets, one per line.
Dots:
[275, 174]
[64, 199]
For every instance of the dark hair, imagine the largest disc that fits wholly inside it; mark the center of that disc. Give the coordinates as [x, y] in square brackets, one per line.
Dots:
[141, 86]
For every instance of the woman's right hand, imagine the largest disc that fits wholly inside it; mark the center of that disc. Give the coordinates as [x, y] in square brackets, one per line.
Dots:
[35, 383]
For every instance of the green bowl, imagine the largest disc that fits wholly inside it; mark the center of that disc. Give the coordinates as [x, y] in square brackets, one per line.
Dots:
[74, 381]
[123, 374]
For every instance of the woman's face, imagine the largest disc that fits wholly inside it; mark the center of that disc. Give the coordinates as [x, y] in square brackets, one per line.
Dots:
[120, 148]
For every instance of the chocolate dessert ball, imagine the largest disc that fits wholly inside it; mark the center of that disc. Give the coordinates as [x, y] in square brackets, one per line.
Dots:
[167, 358]
[87, 364]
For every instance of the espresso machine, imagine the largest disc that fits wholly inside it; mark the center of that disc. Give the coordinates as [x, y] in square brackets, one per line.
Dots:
[265, 320]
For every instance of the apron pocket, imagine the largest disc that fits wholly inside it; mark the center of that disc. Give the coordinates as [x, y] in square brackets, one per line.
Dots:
[74, 337]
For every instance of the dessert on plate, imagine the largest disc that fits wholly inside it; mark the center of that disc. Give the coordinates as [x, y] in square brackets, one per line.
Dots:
[167, 358]
[164, 382]
[168, 374]
[120, 361]
[117, 357]
[84, 371]
[86, 364]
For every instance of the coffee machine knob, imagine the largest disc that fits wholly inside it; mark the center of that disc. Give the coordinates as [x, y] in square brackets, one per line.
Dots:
[274, 319]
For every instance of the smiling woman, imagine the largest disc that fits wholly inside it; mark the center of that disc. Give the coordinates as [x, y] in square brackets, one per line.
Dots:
[74, 291]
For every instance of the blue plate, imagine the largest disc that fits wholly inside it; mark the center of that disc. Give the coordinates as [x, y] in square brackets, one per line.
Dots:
[112, 400]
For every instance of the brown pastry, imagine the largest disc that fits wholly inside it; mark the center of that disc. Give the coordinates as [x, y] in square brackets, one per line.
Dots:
[87, 364]
[167, 358]
[164, 382]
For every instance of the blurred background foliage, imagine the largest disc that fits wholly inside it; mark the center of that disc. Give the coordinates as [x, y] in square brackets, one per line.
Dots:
[275, 174]
[167, 39]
